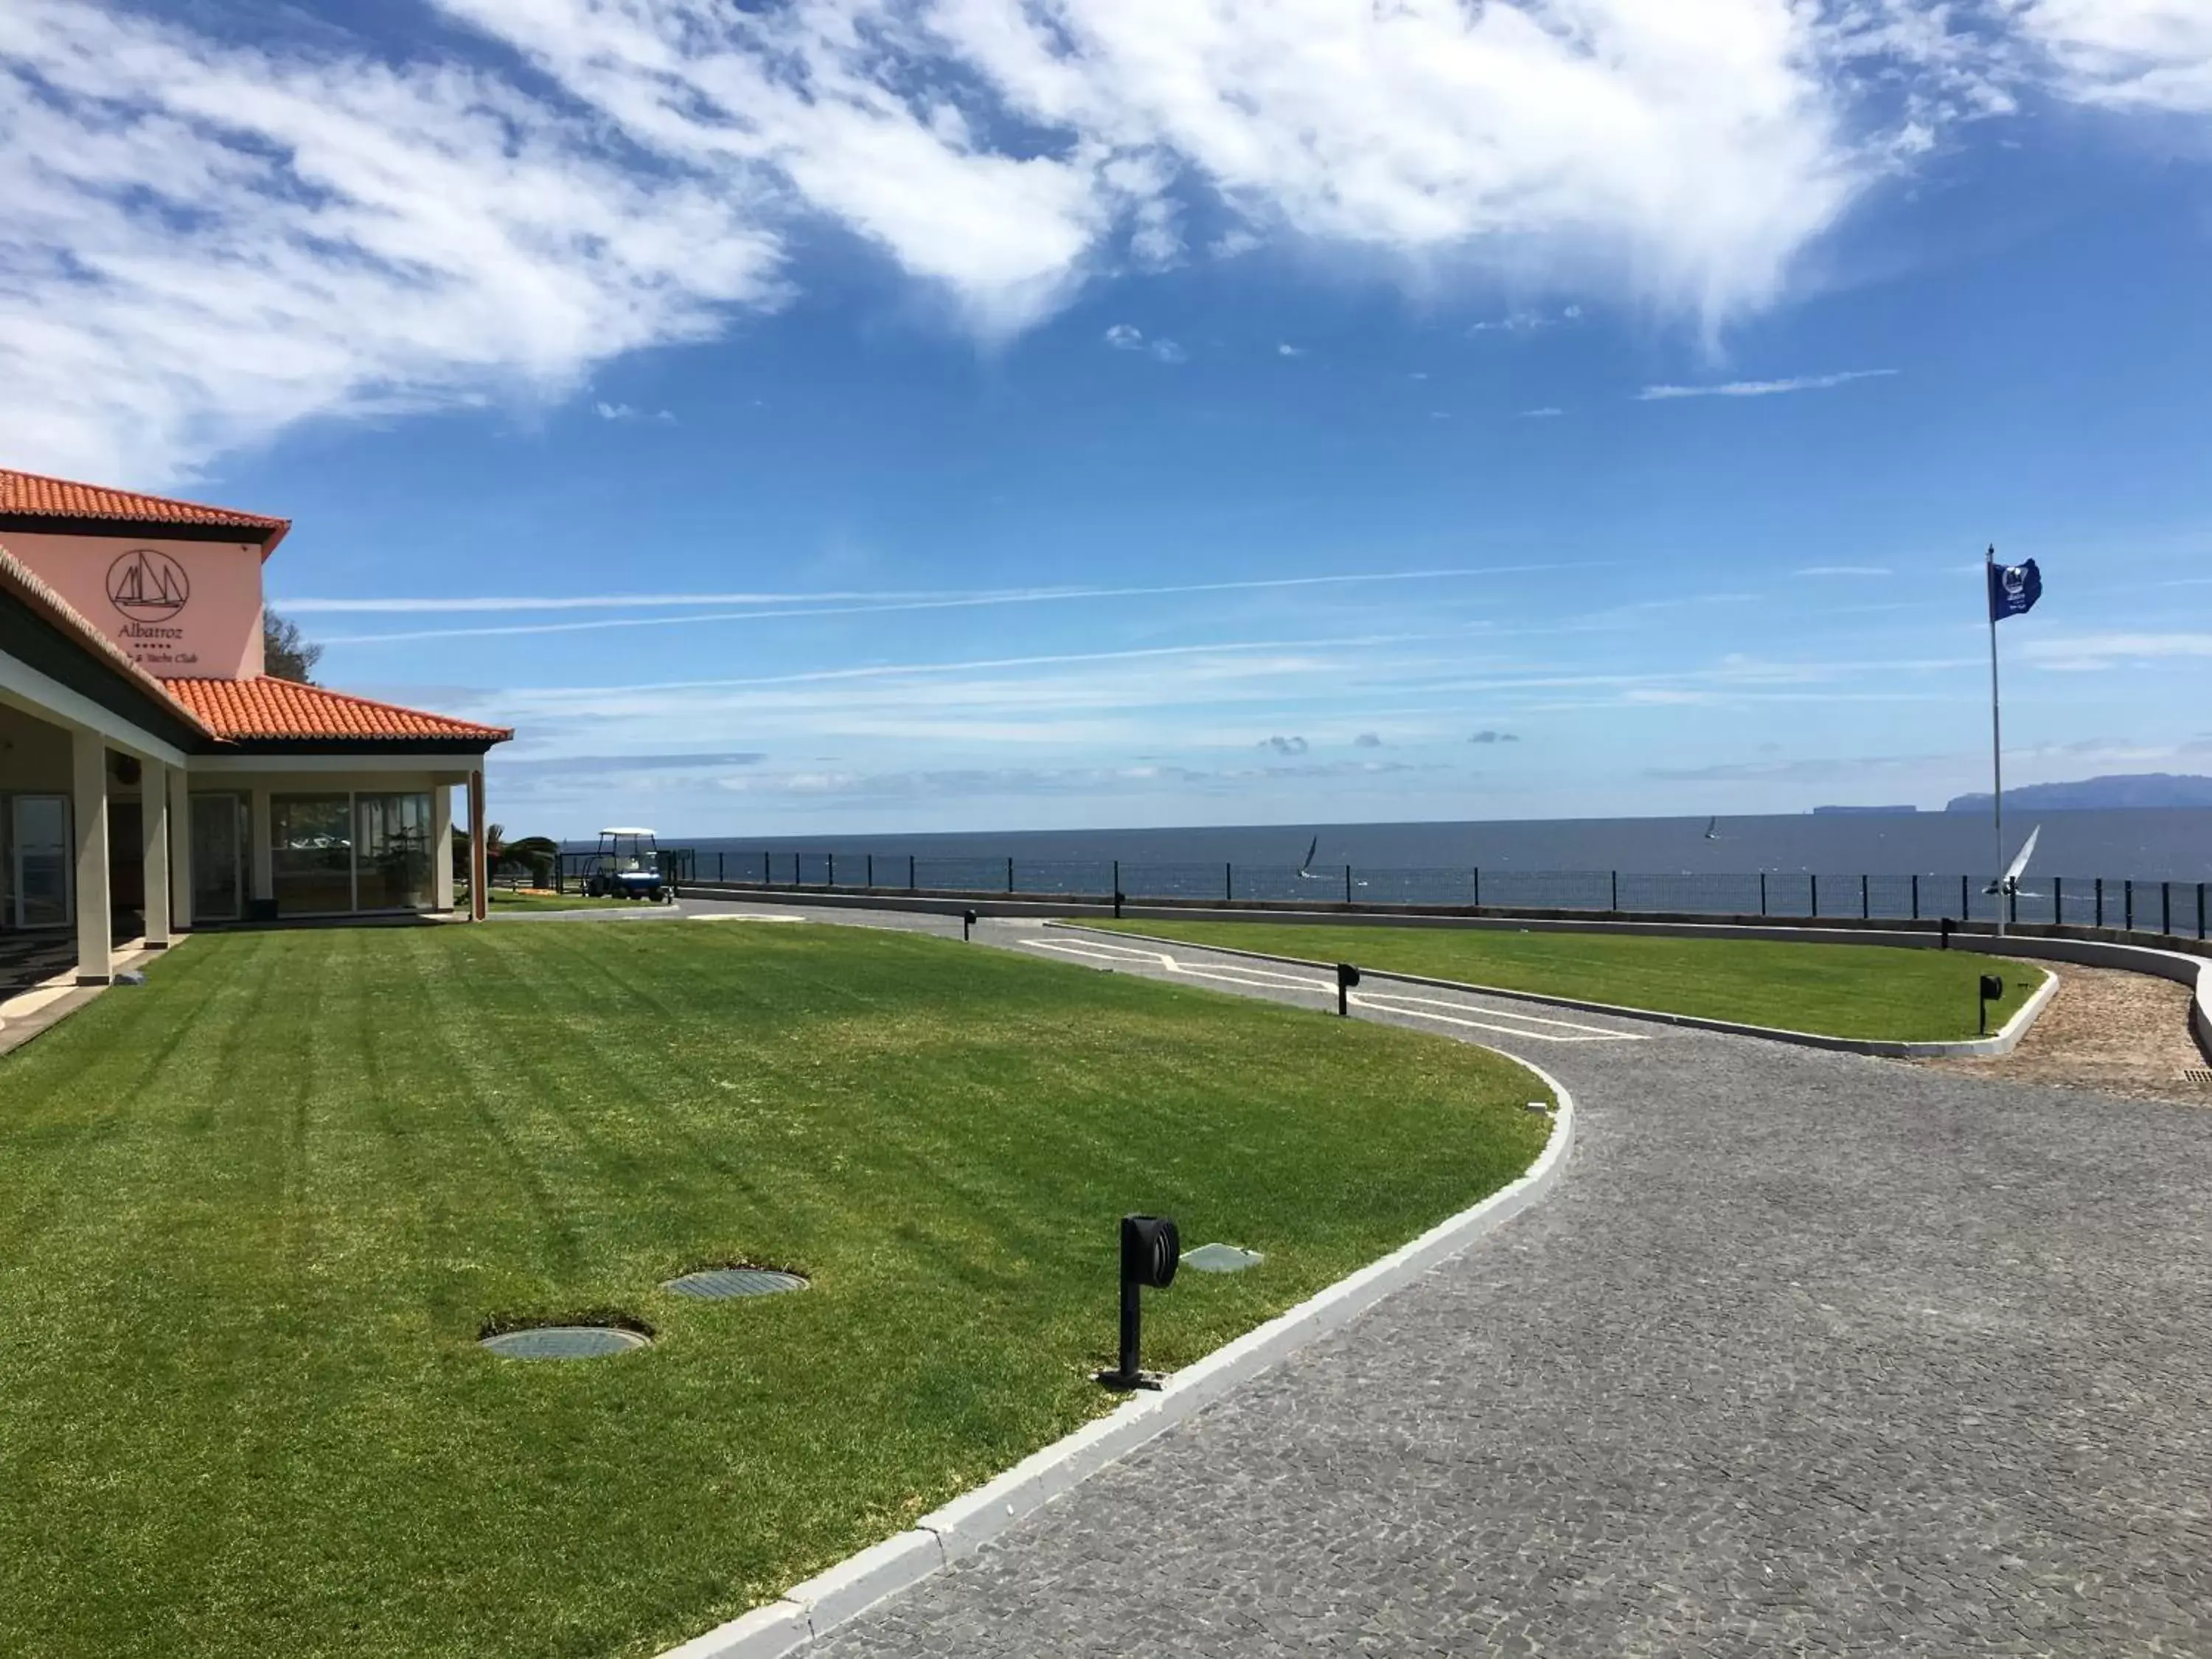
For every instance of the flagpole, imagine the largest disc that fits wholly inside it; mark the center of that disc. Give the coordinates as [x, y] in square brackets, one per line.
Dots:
[1996, 734]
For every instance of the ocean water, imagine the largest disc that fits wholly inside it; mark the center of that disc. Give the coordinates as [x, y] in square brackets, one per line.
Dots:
[1893, 864]
[2150, 844]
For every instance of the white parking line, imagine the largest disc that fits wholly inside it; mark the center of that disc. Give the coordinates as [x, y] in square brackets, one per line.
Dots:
[1591, 1033]
[1405, 1006]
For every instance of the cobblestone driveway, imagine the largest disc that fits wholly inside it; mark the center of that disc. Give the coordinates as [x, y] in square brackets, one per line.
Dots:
[1810, 1354]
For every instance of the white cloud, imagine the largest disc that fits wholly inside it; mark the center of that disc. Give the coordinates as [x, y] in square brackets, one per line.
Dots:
[2142, 54]
[1762, 388]
[1125, 336]
[2084, 652]
[614, 411]
[204, 244]
[1286, 350]
[1525, 322]
[207, 241]
[1548, 412]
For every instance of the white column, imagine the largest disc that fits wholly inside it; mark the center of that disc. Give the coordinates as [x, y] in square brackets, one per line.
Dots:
[154, 817]
[441, 838]
[96, 961]
[180, 850]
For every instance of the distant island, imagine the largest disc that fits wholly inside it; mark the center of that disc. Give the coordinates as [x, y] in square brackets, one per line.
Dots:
[1859, 812]
[2140, 789]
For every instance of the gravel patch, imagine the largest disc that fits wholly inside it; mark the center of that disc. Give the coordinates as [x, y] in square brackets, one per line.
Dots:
[2117, 1033]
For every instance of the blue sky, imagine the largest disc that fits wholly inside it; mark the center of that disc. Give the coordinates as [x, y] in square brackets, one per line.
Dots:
[845, 416]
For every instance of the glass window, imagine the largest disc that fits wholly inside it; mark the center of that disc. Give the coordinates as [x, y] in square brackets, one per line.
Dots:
[42, 860]
[311, 850]
[218, 847]
[394, 840]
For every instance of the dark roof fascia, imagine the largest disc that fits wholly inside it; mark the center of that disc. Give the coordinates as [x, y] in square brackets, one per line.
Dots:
[359, 745]
[31, 639]
[50, 524]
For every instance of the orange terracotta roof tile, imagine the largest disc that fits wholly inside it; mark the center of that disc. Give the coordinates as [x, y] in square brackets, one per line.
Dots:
[274, 709]
[20, 580]
[30, 495]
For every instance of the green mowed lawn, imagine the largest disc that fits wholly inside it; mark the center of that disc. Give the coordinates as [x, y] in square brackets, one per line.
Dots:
[505, 901]
[1837, 990]
[258, 1212]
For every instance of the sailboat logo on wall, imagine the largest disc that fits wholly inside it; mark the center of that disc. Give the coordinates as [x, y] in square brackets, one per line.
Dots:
[148, 586]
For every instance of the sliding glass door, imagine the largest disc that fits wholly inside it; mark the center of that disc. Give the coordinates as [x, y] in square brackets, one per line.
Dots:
[218, 858]
[393, 851]
[310, 853]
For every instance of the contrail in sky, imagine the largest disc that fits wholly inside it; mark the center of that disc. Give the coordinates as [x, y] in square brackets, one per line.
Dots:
[801, 605]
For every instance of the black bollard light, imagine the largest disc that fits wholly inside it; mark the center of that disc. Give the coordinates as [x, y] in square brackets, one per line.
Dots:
[1151, 1249]
[968, 920]
[1119, 895]
[1943, 932]
[1992, 988]
[1346, 977]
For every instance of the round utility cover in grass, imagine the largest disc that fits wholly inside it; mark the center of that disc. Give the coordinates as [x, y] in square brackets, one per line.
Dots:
[718, 1283]
[566, 1342]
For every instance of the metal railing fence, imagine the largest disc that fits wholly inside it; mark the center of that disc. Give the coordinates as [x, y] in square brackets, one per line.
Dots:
[2174, 909]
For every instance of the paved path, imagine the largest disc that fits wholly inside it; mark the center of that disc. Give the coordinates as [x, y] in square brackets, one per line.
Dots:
[1810, 1354]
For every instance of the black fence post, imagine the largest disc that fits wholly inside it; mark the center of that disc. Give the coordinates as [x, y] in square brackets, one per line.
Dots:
[1010, 875]
[1347, 883]
[1813, 888]
[1762, 892]
[2200, 910]
[831, 880]
[1965, 913]
[2166, 908]
[2100, 901]
[1616, 893]
[912, 886]
[1116, 889]
[1228, 883]
[2058, 901]
[1865, 912]
[1915, 896]
[2128, 905]
[1478, 887]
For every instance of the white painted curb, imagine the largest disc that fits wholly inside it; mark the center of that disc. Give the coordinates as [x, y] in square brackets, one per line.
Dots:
[959, 1529]
[2002, 1041]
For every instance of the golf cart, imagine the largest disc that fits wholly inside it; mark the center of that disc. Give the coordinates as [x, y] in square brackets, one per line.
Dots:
[627, 865]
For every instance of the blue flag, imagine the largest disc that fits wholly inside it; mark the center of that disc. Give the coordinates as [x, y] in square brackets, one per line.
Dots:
[2013, 589]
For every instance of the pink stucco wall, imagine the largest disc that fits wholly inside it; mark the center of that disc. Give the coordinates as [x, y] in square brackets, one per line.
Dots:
[183, 609]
